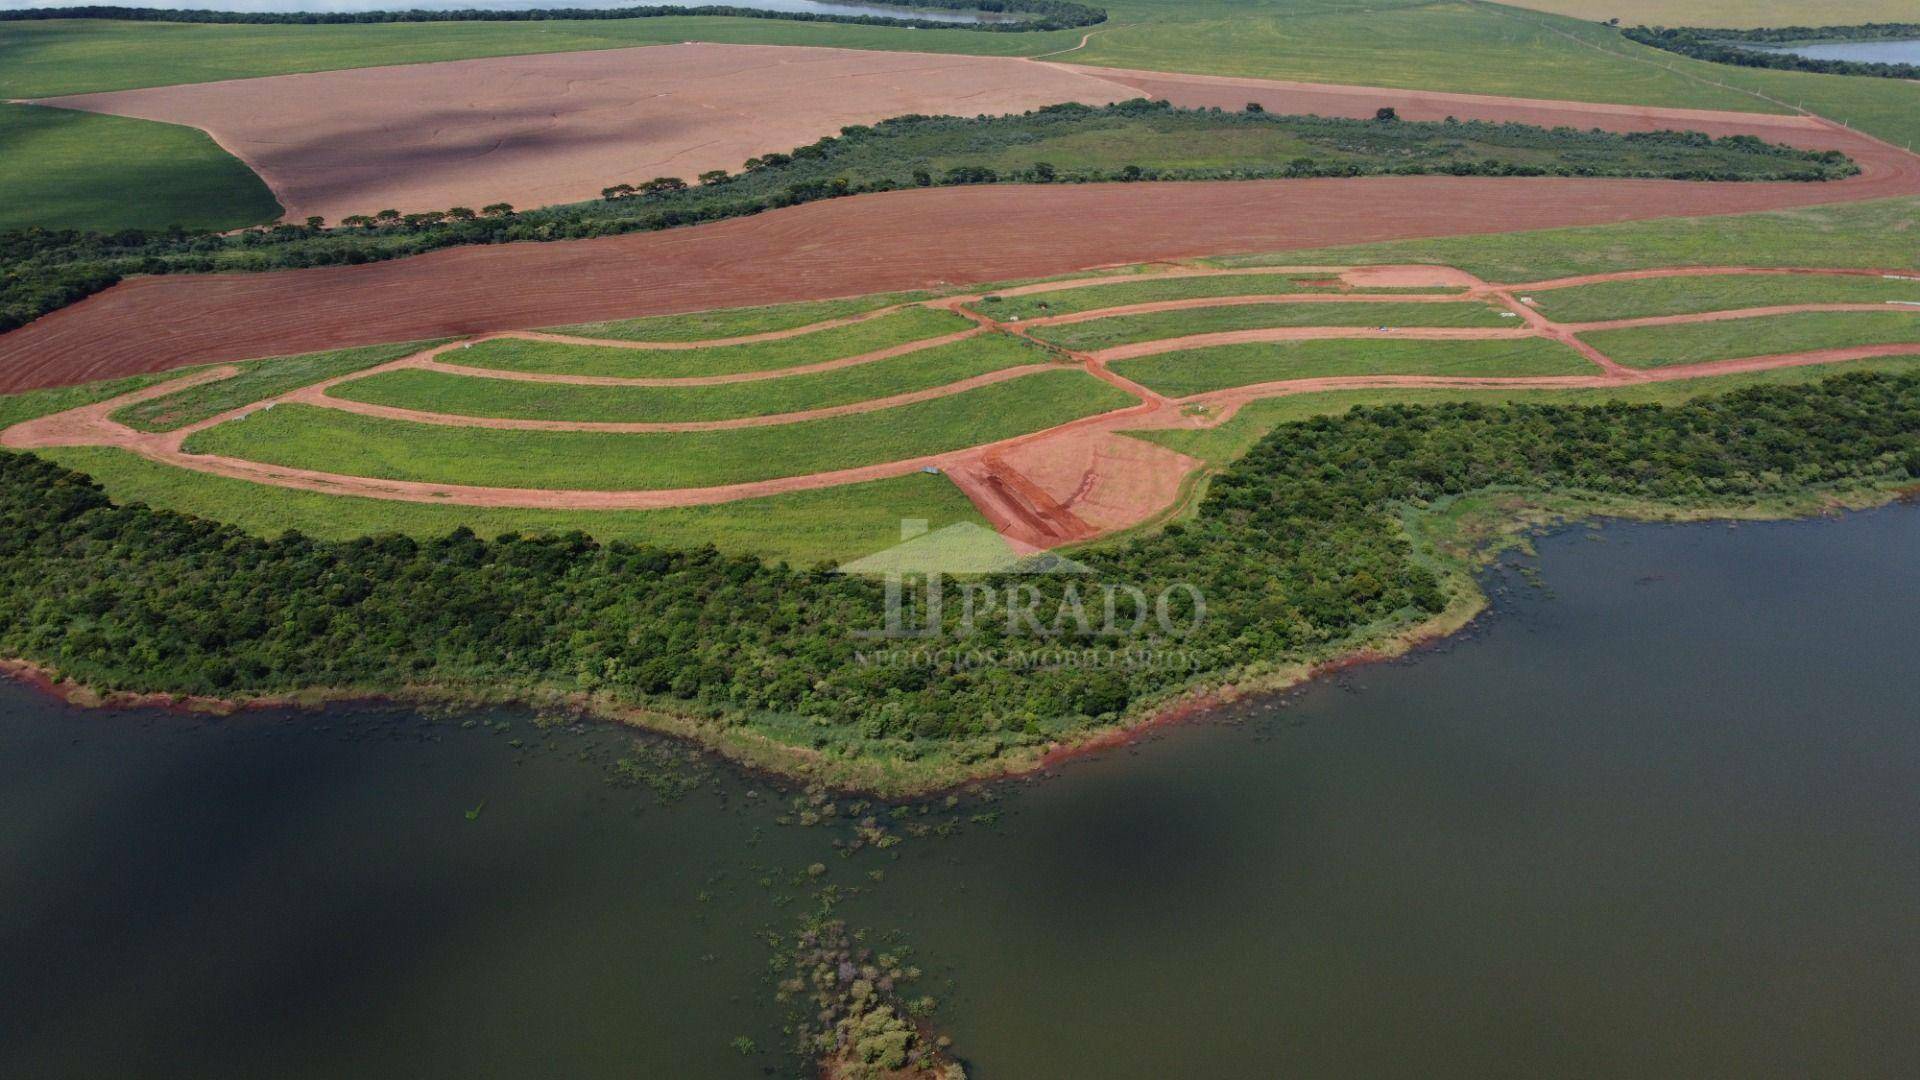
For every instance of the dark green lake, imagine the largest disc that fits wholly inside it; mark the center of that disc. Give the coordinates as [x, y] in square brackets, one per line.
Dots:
[1657, 816]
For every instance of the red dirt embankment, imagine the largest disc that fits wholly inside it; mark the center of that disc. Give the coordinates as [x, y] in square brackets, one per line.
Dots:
[872, 243]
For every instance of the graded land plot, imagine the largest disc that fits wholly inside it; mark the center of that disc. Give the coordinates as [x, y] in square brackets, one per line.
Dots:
[1044, 304]
[1097, 334]
[1690, 294]
[1770, 335]
[306, 437]
[736, 322]
[802, 527]
[557, 128]
[1228, 441]
[77, 170]
[1200, 371]
[444, 392]
[897, 328]
[258, 380]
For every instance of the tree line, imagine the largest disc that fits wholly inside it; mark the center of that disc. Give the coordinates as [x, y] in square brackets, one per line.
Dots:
[1037, 15]
[1727, 47]
[1300, 550]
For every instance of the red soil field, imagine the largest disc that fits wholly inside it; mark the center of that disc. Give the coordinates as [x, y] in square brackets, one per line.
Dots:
[897, 240]
[540, 130]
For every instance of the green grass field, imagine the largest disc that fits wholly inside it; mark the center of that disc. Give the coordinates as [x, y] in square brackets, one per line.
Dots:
[804, 528]
[1121, 293]
[62, 169]
[1227, 442]
[1883, 233]
[736, 322]
[257, 381]
[1696, 343]
[1198, 371]
[1126, 329]
[1719, 292]
[899, 328]
[333, 441]
[435, 391]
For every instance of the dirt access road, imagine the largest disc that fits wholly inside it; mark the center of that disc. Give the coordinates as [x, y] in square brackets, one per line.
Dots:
[899, 240]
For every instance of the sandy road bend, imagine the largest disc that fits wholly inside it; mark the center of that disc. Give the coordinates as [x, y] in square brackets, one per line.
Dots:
[1120, 482]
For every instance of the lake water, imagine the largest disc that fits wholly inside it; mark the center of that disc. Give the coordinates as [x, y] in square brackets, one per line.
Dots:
[816, 6]
[1865, 52]
[1658, 815]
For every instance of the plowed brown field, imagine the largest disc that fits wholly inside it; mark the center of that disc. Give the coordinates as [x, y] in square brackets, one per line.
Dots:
[899, 240]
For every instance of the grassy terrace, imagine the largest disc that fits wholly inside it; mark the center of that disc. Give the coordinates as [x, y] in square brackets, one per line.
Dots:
[899, 328]
[1120, 293]
[736, 322]
[78, 170]
[1127, 329]
[1198, 371]
[257, 381]
[1718, 292]
[1666, 346]
[332, 441]
[803, 527]
[1229, 441]
[436, 391]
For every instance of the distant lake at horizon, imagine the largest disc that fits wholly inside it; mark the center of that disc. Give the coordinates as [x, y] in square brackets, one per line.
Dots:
[333, 7]
[1864, 52]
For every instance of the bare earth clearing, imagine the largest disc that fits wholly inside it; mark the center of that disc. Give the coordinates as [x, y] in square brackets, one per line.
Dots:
[1068, 483]
[539, 130]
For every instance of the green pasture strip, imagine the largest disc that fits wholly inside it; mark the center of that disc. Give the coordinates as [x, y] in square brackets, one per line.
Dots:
[1231, 440]
[32, 404]
[737, 322]
[804, 528]
[307, 437]
[1729, 14]
[1127, 329]
[65, 169]
[1121, 293]
[1881, 233]
[1720, 292]
[258, 380]
[553, 358]
[441, 392]
[1696, 343]
[1199, 371]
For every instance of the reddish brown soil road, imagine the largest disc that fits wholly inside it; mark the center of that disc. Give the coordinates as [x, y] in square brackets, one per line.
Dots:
[871, 243]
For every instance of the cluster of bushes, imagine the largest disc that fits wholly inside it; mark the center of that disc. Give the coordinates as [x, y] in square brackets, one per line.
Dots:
[1035, 15]
[43, 270]
[1729, 46]
[1298, 550]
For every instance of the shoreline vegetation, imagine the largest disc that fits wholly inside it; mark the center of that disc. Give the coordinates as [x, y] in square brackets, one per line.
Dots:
[1357, 535]
[1737, 47]
[44, 270]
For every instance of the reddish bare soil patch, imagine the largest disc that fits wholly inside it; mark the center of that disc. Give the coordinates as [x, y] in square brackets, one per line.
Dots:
[537, 130]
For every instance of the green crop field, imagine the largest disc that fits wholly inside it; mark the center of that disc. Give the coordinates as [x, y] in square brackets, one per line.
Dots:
[1098, 334]
[1696, 343]
[736, 322]
[803, 527]
[1198, 371]
[1721, 292]
[1229, 441]
[899, 328]
[316, 438]
[257, 381]
[62, 169]
[437, 391]
[1883, 233]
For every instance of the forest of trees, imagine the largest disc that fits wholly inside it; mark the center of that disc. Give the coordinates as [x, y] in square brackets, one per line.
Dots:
[1035, 14]
[1728, 46]
[1298, 549]
[44, 270]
